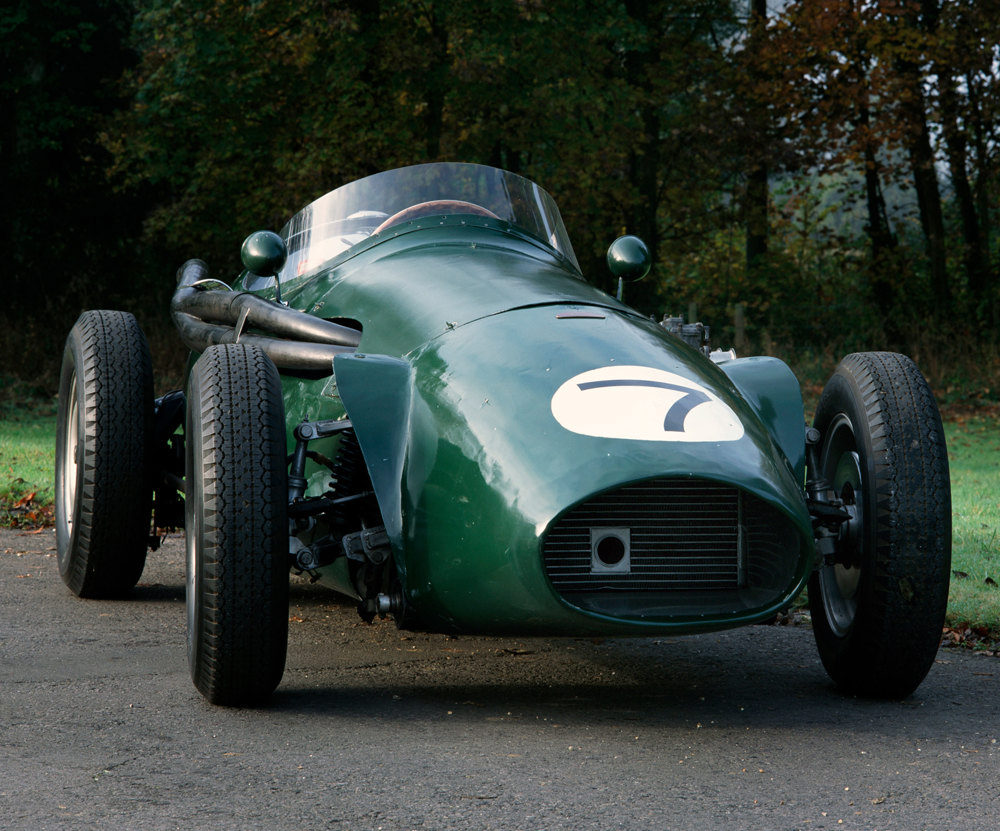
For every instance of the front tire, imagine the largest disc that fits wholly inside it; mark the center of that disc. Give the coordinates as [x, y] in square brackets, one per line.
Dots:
[103, 470]
[236, 526]
[878, 611]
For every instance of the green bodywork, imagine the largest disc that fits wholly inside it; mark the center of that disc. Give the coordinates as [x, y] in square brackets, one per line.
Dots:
[469, 328]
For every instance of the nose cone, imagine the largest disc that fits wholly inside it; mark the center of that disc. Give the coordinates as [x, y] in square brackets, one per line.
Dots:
[588, 431]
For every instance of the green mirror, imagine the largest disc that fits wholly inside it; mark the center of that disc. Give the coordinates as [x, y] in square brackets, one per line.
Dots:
[264, 253]
[628, 258]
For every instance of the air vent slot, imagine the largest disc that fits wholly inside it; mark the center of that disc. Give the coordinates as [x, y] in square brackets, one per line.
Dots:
[684, 544]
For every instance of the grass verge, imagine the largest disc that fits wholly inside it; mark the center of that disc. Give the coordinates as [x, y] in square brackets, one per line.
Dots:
[27, 454]
[974, 599]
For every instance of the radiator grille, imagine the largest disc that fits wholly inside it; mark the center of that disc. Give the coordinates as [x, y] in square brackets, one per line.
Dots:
[683, 534]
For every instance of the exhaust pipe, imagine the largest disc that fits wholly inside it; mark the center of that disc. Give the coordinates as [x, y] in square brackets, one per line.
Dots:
[205, 316]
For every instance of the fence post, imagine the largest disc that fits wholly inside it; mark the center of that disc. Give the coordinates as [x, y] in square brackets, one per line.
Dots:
[692, 312]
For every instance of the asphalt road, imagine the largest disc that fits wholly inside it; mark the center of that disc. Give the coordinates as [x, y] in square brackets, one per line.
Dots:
[373, 728]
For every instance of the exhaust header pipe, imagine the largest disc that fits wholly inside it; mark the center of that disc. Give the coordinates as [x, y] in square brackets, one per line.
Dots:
[294, 340]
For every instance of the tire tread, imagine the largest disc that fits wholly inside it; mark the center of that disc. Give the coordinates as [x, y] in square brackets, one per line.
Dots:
[902, 602]
[106, 553]
[240, 651]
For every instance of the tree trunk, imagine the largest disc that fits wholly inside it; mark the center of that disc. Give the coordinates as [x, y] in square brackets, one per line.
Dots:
[981, 195]
[436, 84]
[757, 195]
[973, 252]
[922, 159]
[917, 139]
[644, 158]
[980, 143]
[883, 241]
[931, 216]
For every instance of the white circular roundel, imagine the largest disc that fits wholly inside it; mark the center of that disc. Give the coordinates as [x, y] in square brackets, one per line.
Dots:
[642, 403]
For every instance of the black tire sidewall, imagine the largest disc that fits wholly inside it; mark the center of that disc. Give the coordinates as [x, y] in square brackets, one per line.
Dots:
[104, 553]
[68, 515]
[229, 594]
[194, 501]
[842, 396]
[905, 551]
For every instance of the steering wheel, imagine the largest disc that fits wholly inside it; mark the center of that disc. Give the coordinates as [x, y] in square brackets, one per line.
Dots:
[435, 206]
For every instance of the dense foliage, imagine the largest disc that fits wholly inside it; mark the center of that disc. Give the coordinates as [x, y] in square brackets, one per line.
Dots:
[832, 167]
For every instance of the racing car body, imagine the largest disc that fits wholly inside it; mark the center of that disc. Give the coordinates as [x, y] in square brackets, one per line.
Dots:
[412, 395]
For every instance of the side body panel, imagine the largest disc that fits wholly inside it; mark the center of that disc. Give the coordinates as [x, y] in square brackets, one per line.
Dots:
[773, 391]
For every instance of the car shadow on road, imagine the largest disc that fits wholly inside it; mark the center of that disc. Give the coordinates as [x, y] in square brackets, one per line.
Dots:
[148, 592]
[738, 680]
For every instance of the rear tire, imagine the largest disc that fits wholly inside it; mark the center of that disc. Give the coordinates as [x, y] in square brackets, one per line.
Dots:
[878, 612]
[236, 526]
[103, 476]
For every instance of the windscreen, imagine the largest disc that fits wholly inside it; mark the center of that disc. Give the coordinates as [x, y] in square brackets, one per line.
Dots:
[352, 213]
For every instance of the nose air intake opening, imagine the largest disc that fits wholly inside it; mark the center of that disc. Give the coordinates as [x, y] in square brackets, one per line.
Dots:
[666, 548]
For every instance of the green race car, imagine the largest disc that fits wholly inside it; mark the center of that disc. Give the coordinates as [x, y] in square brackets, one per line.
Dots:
[412, 396]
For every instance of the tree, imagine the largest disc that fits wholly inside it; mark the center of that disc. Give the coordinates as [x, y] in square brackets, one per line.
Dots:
[825, 87]
[255, 110]
[964, 58]
[908, 28]
[895, 89]
[758, 151]
[60, 225]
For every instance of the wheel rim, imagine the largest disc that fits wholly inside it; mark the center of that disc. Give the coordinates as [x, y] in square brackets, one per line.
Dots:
[840, 581]
[70, 464]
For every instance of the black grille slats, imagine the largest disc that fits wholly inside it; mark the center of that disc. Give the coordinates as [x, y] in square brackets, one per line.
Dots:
[685, 535]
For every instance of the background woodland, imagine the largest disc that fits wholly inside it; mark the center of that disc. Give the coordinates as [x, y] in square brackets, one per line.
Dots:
[831, 165]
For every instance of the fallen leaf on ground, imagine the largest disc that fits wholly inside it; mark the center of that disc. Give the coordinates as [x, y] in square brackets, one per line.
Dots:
[24, 500]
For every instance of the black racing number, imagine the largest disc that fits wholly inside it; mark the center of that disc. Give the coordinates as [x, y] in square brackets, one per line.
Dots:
[673, 422]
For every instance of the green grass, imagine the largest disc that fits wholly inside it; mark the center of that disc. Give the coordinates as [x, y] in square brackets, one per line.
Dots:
[27, 454]
[974, 455]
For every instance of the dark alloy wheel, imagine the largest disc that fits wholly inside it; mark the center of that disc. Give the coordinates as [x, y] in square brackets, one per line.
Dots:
[236, 526]
[878, 607]
[103, 484]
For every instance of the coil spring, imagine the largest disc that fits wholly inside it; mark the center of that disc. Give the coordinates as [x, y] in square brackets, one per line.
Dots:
[350, 477]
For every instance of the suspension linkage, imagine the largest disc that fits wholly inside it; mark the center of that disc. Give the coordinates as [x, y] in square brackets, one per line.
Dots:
[305, 432]
[321, 504]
